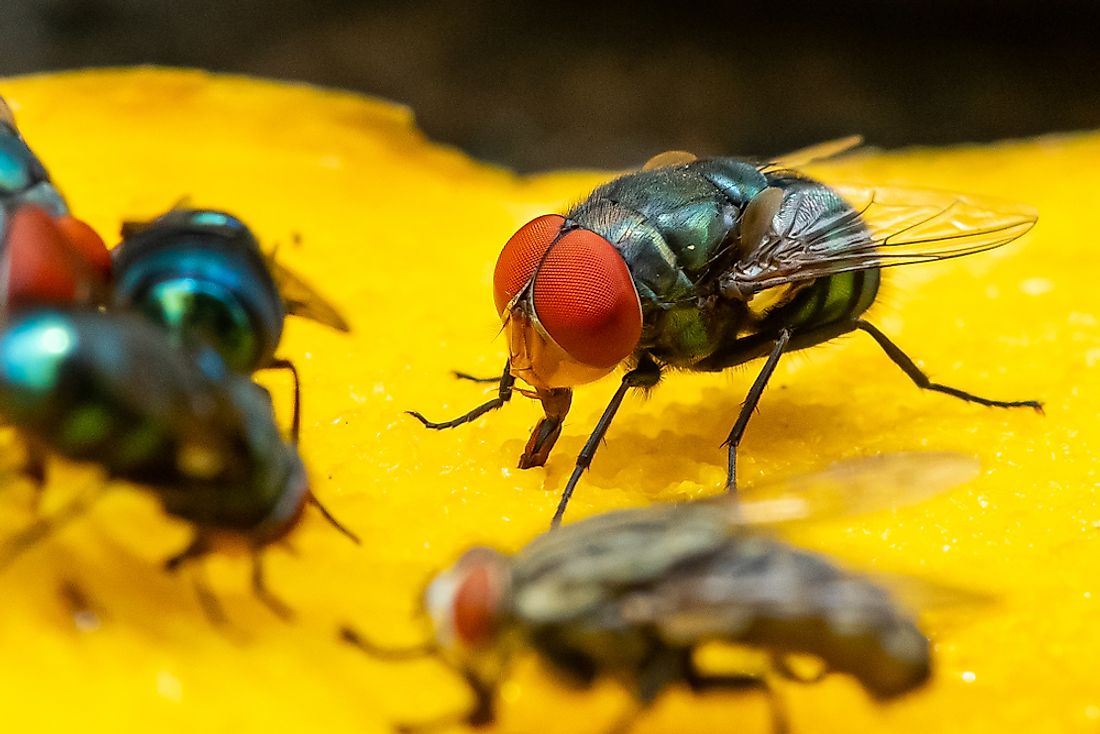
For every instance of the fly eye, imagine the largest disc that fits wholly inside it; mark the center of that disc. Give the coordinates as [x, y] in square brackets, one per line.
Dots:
[37, 266]
[476, 603]
[87, 243]
[521, 257]
[586, 301]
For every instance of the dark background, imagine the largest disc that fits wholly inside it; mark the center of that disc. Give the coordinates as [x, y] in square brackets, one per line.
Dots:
[582, 84]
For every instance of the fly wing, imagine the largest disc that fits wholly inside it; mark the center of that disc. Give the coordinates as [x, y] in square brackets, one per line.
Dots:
[574, 571]
[752, 579]
[761, 579]
[853, 487]
[585, 568]
[5, 114]
[793, 159]
[814, 153]
[302, 300]
[821, 230]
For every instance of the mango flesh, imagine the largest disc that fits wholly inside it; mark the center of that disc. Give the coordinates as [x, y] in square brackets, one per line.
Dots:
[402, 234]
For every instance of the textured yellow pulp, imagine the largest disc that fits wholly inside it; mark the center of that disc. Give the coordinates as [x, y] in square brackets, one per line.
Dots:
[402, 234]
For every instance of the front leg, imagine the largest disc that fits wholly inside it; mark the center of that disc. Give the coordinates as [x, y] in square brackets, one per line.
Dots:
[646, 375]
[506, 384]
[555, 406]
[479, 714]
[296, 414]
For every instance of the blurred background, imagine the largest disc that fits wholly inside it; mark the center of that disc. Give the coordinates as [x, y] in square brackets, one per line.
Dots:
[577, 84]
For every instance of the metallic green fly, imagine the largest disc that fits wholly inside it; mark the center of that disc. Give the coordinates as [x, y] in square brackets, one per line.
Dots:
[705, 264]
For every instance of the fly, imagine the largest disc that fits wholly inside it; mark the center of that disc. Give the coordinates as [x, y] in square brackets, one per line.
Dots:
[704, 264]
[631, 595]
[201, 276]
[109, 389]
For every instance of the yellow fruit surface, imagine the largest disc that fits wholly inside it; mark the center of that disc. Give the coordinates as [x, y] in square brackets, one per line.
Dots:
[402, 234]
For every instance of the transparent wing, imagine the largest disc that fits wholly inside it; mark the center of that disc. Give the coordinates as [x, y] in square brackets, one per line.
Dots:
[5, 113]
[757, 579]
[817, 152]
[933, 597]
[582, 566]
[302, 300]
[855, 486]
[794, 159]
[880, 227]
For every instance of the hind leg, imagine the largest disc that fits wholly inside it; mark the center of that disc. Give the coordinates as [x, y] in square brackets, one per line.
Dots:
[914, 373]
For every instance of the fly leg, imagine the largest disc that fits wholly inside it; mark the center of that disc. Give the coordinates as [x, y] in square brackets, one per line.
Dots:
[700, 682]
[312, 498]
[296, 416]
[34, 469]
[392, 654]
[198, 548]
[555, 406]
[15, 546]
[34, 466]
[902, 360]
[474, 378]
[479, 714]
[504, 394]
[751, 400]
[259, 588]
[645, 375]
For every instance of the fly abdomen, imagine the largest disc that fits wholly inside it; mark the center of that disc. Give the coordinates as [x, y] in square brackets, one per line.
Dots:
[824, 302]
[809, 606]
[759, 592]
[887, 654]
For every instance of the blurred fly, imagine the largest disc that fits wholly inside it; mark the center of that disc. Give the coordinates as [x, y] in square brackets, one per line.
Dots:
[110, 389]
[201, 276]
[47, 256]
[705, 264]
[631, 595]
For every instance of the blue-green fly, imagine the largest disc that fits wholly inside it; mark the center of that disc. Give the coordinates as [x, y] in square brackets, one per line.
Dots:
[200, 274]
[109, 388]
[703, 264]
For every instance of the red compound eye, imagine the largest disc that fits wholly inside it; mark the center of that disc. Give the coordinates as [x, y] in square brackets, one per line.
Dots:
[586, 300]
[521, 257]
[86, 243]
[475, 606]
[37, 264]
